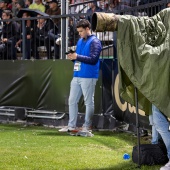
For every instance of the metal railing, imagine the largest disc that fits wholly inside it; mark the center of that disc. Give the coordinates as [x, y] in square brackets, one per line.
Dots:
[20, 113]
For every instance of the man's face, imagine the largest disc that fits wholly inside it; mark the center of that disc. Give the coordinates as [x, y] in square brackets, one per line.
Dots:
[2, 5]
[101, 2]
[52, 5]
[91, 5]
[18, 6]
[25, 15]
[4, 16]
[83, 32]
[41, 20]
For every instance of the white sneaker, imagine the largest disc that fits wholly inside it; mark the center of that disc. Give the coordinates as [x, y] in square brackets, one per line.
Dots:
[166, 167]
[86, 129]
[66, 129]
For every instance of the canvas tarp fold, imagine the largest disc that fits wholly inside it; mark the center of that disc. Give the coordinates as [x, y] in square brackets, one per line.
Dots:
[144, 60]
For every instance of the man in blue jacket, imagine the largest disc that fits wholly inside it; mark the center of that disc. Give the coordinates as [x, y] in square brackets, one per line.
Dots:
[86, 73]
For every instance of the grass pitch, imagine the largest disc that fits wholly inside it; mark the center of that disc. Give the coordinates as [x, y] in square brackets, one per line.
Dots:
[43, 148]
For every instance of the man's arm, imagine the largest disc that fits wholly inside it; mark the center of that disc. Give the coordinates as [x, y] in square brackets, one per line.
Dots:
[95, 49]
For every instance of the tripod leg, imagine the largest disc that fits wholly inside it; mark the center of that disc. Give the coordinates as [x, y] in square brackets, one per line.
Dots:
[137, 125]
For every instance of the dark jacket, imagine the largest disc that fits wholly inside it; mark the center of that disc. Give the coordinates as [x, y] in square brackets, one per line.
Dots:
[95, 49]
[53, 13]
[41, 34]
[11, 30]
[88, 51]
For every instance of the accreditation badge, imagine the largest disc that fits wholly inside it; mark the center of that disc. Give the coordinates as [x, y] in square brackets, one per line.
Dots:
[77, 66]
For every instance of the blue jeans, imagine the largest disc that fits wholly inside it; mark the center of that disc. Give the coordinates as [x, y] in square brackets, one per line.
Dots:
[162, 125]
[155, 135]
[79, 86]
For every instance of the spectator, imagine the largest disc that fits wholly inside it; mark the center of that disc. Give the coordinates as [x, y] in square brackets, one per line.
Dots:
[42, 29]
[28, 3]
[20, 4]
[120, 6]
[107, 37]
[46, 4]
[168, 5]
[111, 6]
[9, 33]
[54, 10]
[103, 4]
[28, 37]
[52, 37]
[37, 5]
[73, 34]
[53, 34]
[13, 7]
[93, 8]
[3, 6]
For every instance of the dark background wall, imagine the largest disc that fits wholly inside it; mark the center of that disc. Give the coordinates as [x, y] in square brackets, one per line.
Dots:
[45, 85]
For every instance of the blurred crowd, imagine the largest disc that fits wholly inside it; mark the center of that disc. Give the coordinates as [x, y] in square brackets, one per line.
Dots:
[38, 32]
[104, 5]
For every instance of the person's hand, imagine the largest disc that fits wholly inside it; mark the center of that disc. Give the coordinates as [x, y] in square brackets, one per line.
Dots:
[39, 25]
[72, 56]
[28, 36]
[18, 43]
[4, 40]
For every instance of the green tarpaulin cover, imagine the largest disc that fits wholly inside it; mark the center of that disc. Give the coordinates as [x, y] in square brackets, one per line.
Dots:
[143, 45]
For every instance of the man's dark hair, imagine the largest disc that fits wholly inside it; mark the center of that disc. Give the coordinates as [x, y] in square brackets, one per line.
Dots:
[7, 12]
[84, 24]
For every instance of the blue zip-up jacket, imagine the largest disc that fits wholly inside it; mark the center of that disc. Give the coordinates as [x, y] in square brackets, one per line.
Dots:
[88, 52]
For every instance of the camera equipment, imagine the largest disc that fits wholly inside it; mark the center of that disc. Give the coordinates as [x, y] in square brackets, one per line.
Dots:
[71, 51]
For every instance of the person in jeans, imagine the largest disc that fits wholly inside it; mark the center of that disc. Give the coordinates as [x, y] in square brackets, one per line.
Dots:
[156, 138]
[86, 73]
[162, 125]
